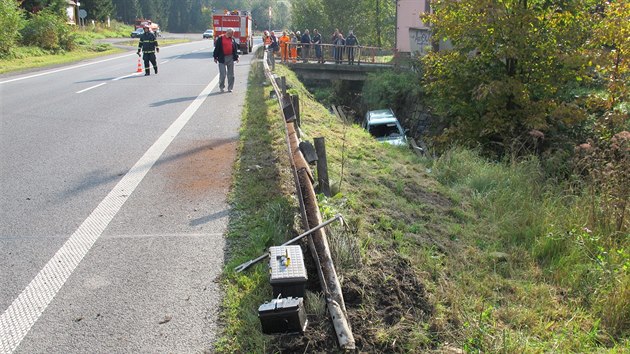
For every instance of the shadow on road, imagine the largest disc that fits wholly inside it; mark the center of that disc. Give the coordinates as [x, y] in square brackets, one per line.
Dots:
[180, 99]
[95, 80]
[208, 218]
[204, 54]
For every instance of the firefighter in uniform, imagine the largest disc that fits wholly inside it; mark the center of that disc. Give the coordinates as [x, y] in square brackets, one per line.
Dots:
[149, 46]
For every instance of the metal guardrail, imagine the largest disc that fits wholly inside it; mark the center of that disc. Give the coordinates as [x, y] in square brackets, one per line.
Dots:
[330, 53]
[317, 242]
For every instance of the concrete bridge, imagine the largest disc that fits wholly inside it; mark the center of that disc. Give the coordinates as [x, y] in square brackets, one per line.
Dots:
[331, 71]
[366, 60]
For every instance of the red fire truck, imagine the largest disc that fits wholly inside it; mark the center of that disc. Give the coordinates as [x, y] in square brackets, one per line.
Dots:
[141, 22]
[240, 22]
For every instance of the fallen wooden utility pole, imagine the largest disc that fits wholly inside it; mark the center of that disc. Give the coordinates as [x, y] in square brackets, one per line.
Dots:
[318, 242]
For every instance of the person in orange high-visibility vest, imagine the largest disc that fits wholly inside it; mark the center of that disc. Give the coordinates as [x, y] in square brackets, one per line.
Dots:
[284, 46]
[266, 39]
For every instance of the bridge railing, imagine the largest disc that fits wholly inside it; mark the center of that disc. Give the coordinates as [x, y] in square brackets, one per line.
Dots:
[330, 53]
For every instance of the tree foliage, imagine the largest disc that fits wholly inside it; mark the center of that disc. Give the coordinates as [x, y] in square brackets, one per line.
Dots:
[373, 21]
[311, 14]
[609, 49]
[389, 89]
[196, 15]
[127, 10]
[505, 82]
[11, 22]
[49, 31]
[99, 10]
[57, 7]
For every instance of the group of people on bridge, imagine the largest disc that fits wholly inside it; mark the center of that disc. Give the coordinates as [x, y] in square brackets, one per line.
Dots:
[294, 45]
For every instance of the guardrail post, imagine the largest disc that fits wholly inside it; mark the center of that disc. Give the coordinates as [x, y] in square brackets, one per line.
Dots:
[322, 166]
[295, 99]
[283, 85]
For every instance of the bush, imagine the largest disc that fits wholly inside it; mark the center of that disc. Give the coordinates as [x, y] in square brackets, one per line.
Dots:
[103, 47]
[11, 21]
[606, 166]
[390, 89]
[48, 31]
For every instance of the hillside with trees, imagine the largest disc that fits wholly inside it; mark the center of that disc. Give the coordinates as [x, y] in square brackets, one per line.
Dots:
[191, 15]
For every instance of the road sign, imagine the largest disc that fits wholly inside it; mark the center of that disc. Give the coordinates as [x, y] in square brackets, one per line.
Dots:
[82, 13]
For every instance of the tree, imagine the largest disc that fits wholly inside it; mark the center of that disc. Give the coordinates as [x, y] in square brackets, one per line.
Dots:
[126, 10]
[373, 21]
[505, 81]
[610, 51]
[57, 7]
[151, 9]
[178, 17]
[99, 10]
[310, 14]
[11, 22]
[197, 22]
[376, 24]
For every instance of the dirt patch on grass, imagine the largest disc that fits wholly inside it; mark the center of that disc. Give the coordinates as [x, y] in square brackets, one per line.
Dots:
[386, 293]
[414, 193]
[418, 194]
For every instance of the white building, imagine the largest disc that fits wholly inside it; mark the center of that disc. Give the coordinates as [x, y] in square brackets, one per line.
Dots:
[71, 12]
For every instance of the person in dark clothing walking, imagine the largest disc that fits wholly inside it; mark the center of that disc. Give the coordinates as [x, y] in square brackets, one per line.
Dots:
[351, 43]
[225, 53]
[149, 46]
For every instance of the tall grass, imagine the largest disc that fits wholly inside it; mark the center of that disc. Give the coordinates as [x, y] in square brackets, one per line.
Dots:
[519, 210]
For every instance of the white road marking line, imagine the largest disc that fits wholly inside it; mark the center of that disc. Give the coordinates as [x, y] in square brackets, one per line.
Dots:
[25, 310]
[164, 62]
[95, 86]
[104, 83]
[60, 70]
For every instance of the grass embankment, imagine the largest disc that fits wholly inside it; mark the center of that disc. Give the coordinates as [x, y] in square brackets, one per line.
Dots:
[456, 253]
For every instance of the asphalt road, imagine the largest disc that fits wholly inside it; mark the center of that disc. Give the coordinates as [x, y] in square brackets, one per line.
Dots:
[113, 203]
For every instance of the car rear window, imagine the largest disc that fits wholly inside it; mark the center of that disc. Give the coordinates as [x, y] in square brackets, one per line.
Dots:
[384, 130]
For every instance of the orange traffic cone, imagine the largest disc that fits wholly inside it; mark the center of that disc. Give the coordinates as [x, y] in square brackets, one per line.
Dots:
[139, 66]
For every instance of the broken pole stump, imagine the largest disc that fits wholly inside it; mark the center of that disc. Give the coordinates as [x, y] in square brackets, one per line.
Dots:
[283, 85]
[322, 166]
[295, 99]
